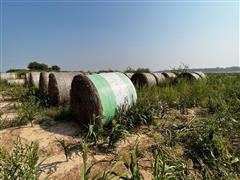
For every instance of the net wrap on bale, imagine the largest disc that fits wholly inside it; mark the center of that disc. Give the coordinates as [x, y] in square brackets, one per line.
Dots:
[144, 79]
[16, 81]
[129, 75]
[101, 95]
[189, 76]
[7, 76]
[59, 86]
[201, 74]
[169, 75]
[159, 77]
[34, 79]
[43, 82]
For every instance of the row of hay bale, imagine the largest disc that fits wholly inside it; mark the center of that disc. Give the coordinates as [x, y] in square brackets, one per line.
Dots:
[57, 85]
[8, 76]
[12, 78]
[153, 79]
[96, 94]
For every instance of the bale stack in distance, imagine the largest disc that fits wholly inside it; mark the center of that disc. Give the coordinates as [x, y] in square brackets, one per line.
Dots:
[34, 79]
[189, 76]
[59, 86]
[16, 81]
[101, 95]
[169, 75]
[7, 76]
[159, 77]
[144, 79]
[43, 82]
[201, 74]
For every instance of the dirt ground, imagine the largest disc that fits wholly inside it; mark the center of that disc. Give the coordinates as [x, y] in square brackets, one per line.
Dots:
[47, 133]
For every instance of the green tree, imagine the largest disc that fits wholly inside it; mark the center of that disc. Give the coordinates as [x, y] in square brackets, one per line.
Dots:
[143, 70]
[55, 68]
[35, 66]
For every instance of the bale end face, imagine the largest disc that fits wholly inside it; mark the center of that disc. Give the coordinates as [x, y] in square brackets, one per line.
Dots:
[187, 76]
[139, 79]
[85, 101]
[43, 82]
[53, 90]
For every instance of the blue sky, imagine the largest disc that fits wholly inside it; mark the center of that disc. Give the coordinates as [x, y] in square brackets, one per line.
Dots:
[81, 35]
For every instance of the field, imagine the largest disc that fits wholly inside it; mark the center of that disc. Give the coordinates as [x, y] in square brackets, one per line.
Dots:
[185, 130]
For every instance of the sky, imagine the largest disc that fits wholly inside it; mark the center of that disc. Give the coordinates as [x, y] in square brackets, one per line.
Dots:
[97, 35]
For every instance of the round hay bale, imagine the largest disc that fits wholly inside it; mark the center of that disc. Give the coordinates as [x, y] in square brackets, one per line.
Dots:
[144, 79]
[27, 79]
[169, 75]
[16, 81]
[129, 75]
[189, 76]
[159, 77]
[101, 95]
[201, 74]
[59, 86]
[43, 82]
[34, 79]
[7, 76]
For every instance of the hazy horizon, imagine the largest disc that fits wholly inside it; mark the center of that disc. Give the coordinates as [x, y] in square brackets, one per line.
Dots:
[97, 35]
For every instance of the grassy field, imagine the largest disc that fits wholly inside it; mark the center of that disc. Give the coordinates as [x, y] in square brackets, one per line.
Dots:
[186, 130]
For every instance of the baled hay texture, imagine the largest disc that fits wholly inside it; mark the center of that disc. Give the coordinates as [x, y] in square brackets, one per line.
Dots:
[7, 76]
[34, 79]
[85, 101]
[59, 86]
[16, 81]
[169, 75]
[43, 82]
[27, 79]
[129, 75]
[144, 79]
[159, 77]
[201, 74]
[189, 76]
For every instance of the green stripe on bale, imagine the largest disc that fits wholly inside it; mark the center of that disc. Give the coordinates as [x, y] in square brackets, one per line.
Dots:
[101, 95]
[106, 96]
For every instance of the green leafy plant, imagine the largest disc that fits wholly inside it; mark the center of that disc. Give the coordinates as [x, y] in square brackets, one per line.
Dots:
[117, 132]
[29, 109]
[94, 130]
[21, 163]
[160, 169]
[132, 164]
